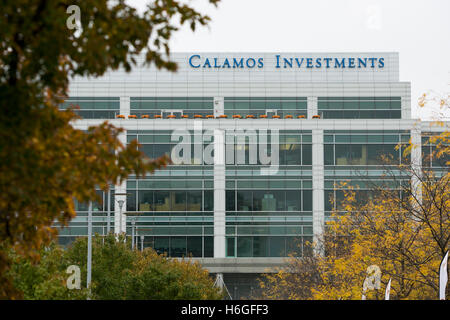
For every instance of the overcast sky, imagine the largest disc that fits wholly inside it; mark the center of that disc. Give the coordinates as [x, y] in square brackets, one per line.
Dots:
[418, 29]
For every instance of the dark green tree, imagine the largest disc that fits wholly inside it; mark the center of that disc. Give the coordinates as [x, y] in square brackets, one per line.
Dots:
[118, 273]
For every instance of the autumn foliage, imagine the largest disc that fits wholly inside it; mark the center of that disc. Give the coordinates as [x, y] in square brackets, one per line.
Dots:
[403, 228]
[44, 162]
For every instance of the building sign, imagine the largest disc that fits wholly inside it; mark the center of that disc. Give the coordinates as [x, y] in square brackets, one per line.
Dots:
[286, 62]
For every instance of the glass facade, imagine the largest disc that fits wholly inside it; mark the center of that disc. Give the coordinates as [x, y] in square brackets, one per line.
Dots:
[265, 214]
[94, 107]
[269, 106]
[428, 148]
[360, 158]
[175, 106]
[172, 210]
[102, 218]
[360, 107]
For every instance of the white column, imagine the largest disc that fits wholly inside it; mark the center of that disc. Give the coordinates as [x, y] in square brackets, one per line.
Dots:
[219, 193]
[318, 184]
[312, 107]
[120, 218]
[125, 106]
[218, 106]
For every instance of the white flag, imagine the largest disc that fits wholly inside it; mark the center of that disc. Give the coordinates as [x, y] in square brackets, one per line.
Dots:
[443, 277]
[388, 290]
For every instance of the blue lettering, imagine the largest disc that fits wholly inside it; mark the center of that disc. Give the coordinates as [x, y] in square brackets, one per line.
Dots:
[215, 63]
[373, 62]
[226, 63]
[253, 64]
[260, 63]
[351, 62]
[318, 62]
[207, 63]
[327, 60]
[278, 61]
[237, 64]
[299, 64]
[190, 61]
[339, 65]
[381, 63]
[287, 62]
[362, 62]
[309, 63]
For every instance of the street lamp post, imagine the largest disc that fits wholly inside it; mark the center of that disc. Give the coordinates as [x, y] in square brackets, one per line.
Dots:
[133, 226]
[120, 202]
[89, 253]
[142, 243]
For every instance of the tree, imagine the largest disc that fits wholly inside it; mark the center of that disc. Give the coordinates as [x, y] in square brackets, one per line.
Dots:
[46, 163]
[118, 273]
[403, 228]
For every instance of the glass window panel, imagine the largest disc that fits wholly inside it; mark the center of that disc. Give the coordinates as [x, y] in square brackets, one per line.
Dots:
[131, 200]
[342, 154]
[328, 154]
[268, 201]
[231, 246]
[257, 200]
[280, 197]
[145, 200]
[178, 246]
[307, 154]
[244, 247]
[244, 200]
[328, 195]
[294, 245]
[343, 138]
[277, 246]
[161, 149]
[209, 200]
[179, 201]
[307, 200]
[147, 149]
[162, 201]
[260, 246]
[208, 246]
[293, 200]
[194, 246]
[161, 245]
[194, 200]
[230, 200]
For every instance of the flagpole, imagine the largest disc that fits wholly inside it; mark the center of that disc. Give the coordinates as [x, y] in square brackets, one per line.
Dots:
[388, 290]
[443, 276]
